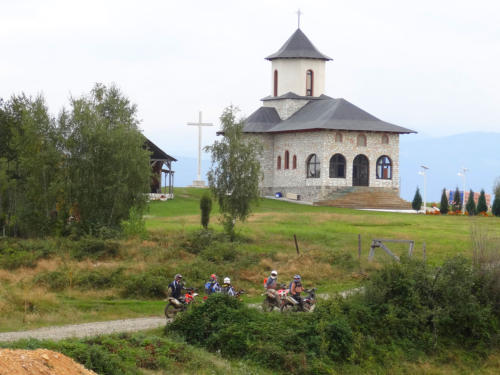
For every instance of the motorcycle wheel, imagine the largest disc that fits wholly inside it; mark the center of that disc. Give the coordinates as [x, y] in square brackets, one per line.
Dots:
[286, 308]
[307, 307]
[171, 311]
[267, 306]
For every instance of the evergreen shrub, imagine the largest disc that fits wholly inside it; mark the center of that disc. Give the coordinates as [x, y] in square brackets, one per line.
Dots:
[444, 206]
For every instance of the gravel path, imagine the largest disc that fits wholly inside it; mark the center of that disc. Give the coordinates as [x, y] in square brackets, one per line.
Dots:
[86, 329]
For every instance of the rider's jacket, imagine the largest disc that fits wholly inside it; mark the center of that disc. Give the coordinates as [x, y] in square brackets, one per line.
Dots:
[176, 289]
[271, 283]
[228, 289]
[296, 288]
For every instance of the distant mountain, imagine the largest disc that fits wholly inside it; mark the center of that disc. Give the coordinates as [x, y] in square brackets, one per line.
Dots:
[445, 156]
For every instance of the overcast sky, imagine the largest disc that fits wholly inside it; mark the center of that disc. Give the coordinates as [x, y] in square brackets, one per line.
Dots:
[432, 66]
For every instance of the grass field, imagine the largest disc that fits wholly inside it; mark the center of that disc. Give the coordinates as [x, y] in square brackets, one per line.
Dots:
[61, 289]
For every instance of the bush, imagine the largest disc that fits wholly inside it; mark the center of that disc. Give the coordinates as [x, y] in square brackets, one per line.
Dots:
[481, 203]
[135, 226]
[95, 248]
[417, 201]
[206, 207]
[149, 284]
[15, 253]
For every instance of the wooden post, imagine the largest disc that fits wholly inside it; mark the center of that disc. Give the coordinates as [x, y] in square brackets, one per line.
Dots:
[296, 244]
[359, 247]
[423, 248]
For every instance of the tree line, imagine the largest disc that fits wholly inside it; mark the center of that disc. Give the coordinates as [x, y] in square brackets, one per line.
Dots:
[81, 171]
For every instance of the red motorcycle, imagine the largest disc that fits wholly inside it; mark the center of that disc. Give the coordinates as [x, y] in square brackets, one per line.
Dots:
[270, 302]
[175, 305]
[307, 305]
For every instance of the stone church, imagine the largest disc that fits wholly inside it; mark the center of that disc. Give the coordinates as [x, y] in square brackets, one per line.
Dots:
[317, 148]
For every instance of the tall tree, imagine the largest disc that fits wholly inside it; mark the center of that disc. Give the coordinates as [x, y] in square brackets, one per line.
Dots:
[235, 172]
[481, 203]
[31, 166]
[457, 201]
[417, 200]
[495, 208]
[470, 207]
[107, 166]
[444, 206]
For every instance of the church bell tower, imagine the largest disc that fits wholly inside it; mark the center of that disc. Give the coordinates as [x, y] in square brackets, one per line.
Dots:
[298, 67]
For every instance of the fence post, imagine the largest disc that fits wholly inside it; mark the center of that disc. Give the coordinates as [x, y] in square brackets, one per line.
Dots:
[296, 244]
[423, 248]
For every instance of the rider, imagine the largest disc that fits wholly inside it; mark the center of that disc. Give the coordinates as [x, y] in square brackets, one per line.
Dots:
[272, 283]
[227, 288]
[296, 288]
[212, 286]
[175, 287]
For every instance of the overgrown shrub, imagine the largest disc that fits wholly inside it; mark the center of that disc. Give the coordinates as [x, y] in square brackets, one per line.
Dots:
[135, 226]
[149, 284]
[95, 248]
[206, 207]
[23, 253]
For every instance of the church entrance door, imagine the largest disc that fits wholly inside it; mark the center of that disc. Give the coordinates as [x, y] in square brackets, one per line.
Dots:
[360, 171]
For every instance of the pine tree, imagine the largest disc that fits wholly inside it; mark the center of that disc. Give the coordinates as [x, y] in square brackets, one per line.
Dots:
[495, 209]
[470, 207]
[481, 203]
[444, 206]
[417, 201]
[457, 202]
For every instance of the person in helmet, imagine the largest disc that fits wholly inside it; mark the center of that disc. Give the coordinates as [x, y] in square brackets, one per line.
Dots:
[227, 288]
[272, 283]
[296, 288]
[212, 286]
[175, 287]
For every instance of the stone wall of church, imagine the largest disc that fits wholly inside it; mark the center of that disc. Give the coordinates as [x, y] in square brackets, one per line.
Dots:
[286, 107]
[324, 145]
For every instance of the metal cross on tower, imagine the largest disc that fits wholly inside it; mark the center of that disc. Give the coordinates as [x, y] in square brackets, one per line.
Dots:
[299, 13]
[199, 182]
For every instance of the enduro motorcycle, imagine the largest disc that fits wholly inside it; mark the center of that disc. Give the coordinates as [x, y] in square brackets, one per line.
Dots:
[291, 304]
[175, 306]
[270, 301]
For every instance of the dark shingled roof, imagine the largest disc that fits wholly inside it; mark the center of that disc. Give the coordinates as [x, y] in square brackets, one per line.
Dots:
[332, 114]
[157, 153]
[298, 46]
[292, 95]
[261, 120]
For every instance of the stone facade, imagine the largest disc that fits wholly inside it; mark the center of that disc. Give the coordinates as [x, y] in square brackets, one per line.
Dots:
[324, 145]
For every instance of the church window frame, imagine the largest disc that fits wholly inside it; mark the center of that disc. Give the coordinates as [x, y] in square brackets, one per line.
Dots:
[361, 140]
[309, 82]
[338, 166]
[338, 137]
[294, 162]
[385, 139]
[275, 83]
[313, 167]
[384, 168]
[287, 160]
[278, 165]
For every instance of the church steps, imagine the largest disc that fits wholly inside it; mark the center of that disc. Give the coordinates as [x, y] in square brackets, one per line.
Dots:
[367, 199]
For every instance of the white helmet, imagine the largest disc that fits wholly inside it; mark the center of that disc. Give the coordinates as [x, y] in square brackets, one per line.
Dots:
[227, 280]
[274, 274]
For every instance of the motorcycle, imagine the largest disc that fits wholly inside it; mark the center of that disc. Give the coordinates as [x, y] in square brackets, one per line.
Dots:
[174, 306]
[308, 303]
[270, 300]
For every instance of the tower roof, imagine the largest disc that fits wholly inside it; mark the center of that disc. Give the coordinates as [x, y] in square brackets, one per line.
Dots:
[298, 46]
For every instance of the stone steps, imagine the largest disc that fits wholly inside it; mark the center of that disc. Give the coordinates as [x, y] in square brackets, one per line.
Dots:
[366, 198]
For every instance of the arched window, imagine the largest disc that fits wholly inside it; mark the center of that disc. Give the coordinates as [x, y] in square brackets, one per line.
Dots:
[309, 82]
[384, 168]
[287, 159]
[338, 137]
[312, 166]
[337, 166]
[361, 140]
[294, 163]
[275, 83]
[385, 139]
[279, 162]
